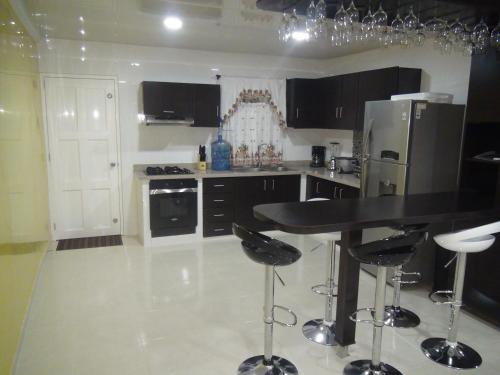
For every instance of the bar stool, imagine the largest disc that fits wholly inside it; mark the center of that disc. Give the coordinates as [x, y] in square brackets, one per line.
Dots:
[272, 253]
[396, 316]
[388, 252]
[322, 331]
[448, 351]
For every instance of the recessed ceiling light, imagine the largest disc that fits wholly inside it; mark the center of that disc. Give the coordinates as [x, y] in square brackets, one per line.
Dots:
[81, 19]
[82, 31]
[12, 22]
[83, 48]
[214, 69]
[135, 64]
[172, 23]
[82, 59]
[300, 36]
[122, 82]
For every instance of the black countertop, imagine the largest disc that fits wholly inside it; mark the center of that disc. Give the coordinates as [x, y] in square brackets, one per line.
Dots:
[355, 214]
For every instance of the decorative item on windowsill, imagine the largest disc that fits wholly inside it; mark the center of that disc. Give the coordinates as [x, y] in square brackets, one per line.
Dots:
[221, 153]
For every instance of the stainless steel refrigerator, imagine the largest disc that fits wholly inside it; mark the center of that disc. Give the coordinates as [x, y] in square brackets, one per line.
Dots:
[411, 147]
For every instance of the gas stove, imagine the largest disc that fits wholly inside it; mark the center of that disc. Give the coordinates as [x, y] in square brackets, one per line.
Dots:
[168, 170]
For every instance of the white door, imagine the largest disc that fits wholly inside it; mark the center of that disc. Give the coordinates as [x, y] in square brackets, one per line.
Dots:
[83, 151]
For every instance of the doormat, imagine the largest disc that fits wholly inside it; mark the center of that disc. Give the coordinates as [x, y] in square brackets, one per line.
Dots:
[89, 242]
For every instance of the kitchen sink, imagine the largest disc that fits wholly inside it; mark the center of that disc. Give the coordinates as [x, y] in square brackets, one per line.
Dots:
[262, 169]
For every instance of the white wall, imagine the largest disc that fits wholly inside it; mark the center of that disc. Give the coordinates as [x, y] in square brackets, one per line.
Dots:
[441, 73]
[151, 145]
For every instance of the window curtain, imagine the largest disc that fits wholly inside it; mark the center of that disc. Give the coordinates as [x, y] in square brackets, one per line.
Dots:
[253, 127]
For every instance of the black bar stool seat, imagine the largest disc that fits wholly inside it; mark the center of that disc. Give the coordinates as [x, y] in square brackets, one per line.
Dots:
[388, 252]
[275, 253]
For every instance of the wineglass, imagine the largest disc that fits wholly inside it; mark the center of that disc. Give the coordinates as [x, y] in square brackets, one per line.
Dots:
[457, 29]
[321, 21]
[341, 19]
[367, 25]
[411, 21]
[311, 19]
[397, 29]
[284, 29]
[420, 35]
[495, 37]
[380, 20]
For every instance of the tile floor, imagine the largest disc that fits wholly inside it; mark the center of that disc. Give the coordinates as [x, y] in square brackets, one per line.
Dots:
[196, 310]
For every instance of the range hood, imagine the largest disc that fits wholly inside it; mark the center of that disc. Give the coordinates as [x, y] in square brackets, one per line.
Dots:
[170, 121]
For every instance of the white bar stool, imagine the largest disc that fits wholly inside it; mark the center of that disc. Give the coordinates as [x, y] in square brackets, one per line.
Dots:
[448, 351]
[322, 331]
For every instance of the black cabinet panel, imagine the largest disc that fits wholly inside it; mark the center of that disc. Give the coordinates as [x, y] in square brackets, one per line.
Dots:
[321, 188]
[338, 102]
[172, 100]
[249, 192]
[348, 110]
[302, 103]
[206, 105]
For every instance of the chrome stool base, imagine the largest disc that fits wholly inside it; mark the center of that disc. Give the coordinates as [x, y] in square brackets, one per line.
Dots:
[401, 318]
[256, 366]
[364, 367]
[460, 357]
[321, 333]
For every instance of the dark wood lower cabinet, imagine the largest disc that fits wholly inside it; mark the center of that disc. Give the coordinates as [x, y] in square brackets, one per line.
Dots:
[321, 188]
[228, 200]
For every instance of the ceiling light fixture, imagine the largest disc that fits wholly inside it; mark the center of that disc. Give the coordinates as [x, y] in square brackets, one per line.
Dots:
[173, 23]
[12, 22]
[135, 64]
[81, 19]
[83, 48]
[300, 36]
[82, 31]
[214, 69]
[82, 59]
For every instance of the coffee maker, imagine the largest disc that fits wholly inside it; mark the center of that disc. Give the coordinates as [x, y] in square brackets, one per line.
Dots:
[318, 156]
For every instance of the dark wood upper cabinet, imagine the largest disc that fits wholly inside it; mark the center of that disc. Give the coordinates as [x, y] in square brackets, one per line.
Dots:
[483, 104]
[167, 99]
[302, 103]
[381, 84]
[206, 105]
[173, 100]
[338, 102]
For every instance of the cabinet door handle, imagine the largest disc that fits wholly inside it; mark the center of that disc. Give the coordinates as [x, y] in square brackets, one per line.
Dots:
[341, 108]
[335, 192]
[218, 215]
[297, 112]
[337, 112]
[222, 185]
[273, 184]
[219, 230]
[217, 111]
[340, 193]
[166, 111]
[265, 185]
[317, 187]
[218, 200]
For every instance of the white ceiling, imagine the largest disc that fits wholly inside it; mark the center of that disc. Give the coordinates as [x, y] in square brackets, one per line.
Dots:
[214, 25]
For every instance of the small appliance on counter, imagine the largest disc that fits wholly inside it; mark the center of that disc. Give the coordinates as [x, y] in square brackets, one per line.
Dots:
[202, 158]
[345, 164]
[334, 153]
[318, 156]
[221, 154]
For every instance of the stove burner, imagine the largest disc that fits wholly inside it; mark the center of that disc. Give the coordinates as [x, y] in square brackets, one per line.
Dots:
[168, 170]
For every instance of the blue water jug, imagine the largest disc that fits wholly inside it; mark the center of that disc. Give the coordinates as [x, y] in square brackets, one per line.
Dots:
[221, 154]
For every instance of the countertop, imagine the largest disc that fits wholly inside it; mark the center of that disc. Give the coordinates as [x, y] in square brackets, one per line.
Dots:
[294, 167]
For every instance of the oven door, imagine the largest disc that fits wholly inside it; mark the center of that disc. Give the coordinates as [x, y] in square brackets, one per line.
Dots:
[172, 213]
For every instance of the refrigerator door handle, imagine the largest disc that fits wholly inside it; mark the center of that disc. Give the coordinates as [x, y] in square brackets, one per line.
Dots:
[366, 141]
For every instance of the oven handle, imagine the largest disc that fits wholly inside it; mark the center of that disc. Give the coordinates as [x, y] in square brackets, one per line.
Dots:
[172, 191]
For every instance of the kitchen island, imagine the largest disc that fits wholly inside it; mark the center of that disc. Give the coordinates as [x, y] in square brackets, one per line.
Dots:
[351, 216]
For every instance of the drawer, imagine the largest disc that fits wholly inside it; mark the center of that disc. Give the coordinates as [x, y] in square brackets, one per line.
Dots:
[217, 229]
[218, 200]
[218, 215]
[218, 185]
